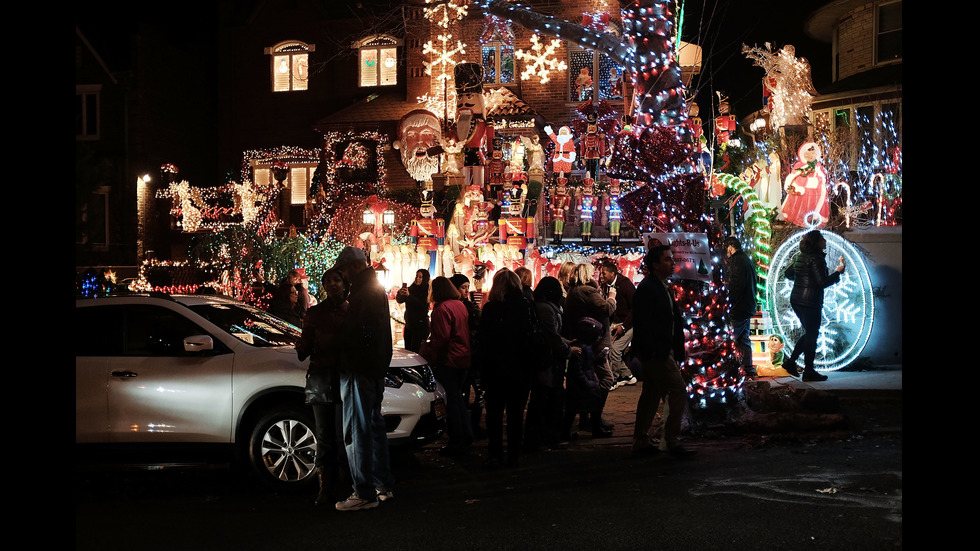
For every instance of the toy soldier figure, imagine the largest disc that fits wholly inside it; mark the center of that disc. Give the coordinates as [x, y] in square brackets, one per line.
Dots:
[471, 129]
[613, 212]
[593, 145]
[586, 207]
[559, 204]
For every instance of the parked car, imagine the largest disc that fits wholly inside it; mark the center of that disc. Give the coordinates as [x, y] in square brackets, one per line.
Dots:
[165, 370]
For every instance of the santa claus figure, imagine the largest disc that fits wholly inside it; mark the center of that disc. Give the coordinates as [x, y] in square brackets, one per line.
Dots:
[807, 204]
[564, 157]
[583, 84]
[471, 126]
[592, 145]
[419, 133]
[559, 204]
[585, 205]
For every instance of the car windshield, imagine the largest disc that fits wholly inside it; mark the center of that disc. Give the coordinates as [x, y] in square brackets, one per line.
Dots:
[249, 325]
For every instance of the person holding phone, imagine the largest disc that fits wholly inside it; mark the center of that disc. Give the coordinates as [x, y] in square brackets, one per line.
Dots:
[810, 277]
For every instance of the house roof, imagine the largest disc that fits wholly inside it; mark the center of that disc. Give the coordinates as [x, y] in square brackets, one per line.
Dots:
[381, 110]
[502, 102]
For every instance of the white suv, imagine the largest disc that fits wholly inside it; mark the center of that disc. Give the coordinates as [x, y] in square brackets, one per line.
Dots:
[159, 369]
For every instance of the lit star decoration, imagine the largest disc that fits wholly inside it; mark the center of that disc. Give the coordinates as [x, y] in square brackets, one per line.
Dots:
[539, 60]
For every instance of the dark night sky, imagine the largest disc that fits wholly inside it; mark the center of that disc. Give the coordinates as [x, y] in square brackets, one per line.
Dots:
[720, 27]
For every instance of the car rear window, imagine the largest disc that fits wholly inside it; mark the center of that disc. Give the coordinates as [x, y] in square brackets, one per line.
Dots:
[249, 325]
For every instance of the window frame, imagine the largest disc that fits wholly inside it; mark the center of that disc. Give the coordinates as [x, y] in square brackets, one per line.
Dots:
[377, 43]
[498, 45]
[879, 34]
[574, 70]
[83, 94]
[291, 49]
[297, 189]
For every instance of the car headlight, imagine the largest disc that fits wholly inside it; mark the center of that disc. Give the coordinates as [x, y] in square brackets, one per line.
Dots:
[420, 375]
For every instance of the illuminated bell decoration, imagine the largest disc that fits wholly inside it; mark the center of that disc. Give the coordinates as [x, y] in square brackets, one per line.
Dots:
[388, 217]
[848, 306]
[368, 216]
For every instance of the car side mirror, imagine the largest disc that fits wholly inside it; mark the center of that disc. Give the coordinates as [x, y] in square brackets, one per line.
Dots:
[198, 343]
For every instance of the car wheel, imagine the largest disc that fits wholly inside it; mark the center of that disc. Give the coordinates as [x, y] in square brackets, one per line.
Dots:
[283, 448]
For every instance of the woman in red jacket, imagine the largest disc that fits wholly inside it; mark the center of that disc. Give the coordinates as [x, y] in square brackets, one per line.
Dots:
[448, 351]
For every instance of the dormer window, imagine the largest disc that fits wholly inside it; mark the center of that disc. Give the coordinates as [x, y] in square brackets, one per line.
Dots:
[497, 48]
[290, 65]
[377, 61]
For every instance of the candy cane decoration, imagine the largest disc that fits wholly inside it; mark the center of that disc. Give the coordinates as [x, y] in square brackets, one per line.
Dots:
[847, 217]
[881, 194]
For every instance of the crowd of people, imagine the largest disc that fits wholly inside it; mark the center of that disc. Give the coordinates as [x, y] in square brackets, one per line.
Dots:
[538, 357]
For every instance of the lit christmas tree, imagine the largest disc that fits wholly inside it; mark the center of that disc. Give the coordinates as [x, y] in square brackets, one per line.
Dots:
[655, 153]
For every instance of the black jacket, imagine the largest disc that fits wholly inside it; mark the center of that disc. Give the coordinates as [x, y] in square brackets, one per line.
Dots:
[653, 318]
[741, 286]
[810, 277]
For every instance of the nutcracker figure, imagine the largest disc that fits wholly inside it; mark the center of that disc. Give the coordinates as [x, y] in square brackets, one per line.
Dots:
[725, 122]
[496, 166]
[613, 212]
[593, 145]
[427, 209]
[564, 157]
[471, 129]
[559, 204]
[585, 205]
[428, 235]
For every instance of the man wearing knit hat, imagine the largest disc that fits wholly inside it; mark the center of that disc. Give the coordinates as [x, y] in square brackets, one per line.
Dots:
[365, 357]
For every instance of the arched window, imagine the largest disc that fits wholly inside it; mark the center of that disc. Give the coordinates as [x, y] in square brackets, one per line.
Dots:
[290, 65]
[497, 50]
[377, 58]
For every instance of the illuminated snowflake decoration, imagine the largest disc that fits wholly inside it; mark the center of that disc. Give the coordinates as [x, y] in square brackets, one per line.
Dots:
[445, 12]
[443, 58]
[540, 60]
[848, 306]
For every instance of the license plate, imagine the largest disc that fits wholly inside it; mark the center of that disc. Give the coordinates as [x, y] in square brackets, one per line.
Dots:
[440, 408]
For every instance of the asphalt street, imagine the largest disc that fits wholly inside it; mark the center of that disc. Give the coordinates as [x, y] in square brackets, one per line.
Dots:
[825, 489]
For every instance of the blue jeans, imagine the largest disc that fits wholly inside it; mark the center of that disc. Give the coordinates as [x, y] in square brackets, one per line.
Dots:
[744, 344]
[365, 437]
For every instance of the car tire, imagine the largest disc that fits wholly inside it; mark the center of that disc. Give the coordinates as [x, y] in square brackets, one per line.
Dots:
[282, 448]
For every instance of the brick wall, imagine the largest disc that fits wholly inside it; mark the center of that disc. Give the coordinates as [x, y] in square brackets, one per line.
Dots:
[855, 42]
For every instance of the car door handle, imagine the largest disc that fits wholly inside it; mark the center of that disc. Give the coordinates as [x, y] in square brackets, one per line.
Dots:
[124, 374]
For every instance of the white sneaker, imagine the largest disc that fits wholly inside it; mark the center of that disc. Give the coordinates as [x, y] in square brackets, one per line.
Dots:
[631, 380]
[385, 496]
[354, 503]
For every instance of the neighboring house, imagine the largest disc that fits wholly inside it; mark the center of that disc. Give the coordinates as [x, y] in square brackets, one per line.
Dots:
[866, 94]
[102, 223]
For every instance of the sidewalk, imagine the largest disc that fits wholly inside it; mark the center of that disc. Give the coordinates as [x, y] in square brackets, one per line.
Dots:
[849, 385]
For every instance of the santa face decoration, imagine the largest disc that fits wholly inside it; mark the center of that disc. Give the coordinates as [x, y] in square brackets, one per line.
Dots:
[418, 132]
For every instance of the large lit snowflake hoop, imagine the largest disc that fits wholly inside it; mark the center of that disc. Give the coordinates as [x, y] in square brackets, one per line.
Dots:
[848, 306]
[540, 60]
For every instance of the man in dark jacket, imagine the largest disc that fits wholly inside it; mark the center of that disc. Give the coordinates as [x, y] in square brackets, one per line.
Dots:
[616, 285]
[364, 359]
[741, 300]
[658, 342]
